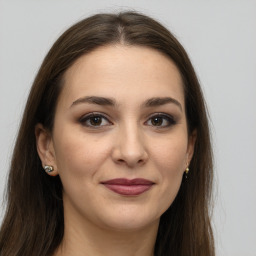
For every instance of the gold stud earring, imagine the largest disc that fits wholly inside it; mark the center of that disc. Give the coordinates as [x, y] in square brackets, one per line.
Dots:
[48, 168]
[186, 172]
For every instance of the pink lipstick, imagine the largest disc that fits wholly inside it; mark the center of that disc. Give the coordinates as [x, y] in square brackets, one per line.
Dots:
[128, 187]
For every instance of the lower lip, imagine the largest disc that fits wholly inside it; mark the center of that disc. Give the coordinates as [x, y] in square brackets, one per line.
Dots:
[129, 190]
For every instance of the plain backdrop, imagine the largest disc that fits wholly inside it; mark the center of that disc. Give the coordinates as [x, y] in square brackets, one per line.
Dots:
[220, 38]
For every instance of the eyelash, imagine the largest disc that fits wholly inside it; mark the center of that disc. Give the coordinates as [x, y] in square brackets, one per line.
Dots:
[163, 118]
[88, 117]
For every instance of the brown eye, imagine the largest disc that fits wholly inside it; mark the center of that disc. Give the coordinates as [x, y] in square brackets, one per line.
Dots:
[157, 121]
[94, 120]
[161, 121]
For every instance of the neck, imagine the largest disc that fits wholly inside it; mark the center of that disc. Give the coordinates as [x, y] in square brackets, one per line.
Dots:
[84, 238]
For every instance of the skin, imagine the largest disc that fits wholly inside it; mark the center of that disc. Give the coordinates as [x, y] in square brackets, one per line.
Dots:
[127, 142]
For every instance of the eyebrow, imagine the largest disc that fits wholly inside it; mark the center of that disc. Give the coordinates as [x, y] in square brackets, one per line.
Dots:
[159, 101]
[95, 100]
[152, 102]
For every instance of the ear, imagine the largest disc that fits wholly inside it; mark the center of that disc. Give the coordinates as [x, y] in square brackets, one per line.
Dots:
[191, 146]
[45, 148]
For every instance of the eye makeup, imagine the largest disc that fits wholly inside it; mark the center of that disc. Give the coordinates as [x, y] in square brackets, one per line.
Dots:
[98, 120]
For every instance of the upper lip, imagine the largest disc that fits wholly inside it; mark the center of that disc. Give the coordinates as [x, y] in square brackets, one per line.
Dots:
[128, 182]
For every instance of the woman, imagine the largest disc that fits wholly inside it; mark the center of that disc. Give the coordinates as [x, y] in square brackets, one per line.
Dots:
[121, 161]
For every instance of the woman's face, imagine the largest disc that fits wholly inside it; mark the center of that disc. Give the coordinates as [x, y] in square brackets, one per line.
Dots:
[120, 143]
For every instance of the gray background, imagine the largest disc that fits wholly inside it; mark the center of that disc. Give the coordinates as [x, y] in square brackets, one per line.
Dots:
[220, 37]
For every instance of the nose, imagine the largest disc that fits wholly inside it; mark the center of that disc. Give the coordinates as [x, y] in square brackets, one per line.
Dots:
[130, 147]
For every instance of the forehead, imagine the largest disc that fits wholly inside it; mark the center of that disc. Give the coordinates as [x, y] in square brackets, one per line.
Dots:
[122, 72]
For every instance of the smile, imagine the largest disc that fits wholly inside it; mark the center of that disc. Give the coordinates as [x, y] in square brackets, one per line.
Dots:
[128, 187]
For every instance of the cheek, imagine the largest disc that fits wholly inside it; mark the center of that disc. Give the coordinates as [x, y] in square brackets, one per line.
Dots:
[171, 155]
[171, 164]
[79, 156]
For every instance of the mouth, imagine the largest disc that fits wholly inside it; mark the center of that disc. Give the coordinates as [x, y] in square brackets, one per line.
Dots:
[128, 187]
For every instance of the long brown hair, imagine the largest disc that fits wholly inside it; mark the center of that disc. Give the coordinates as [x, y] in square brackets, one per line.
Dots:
[33, 222]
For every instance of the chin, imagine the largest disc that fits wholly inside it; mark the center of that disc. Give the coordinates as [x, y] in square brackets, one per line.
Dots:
[128, 220]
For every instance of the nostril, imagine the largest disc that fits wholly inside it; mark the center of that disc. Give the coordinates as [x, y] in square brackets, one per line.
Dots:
[129, 162]
[128, 154]
[120, 161]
